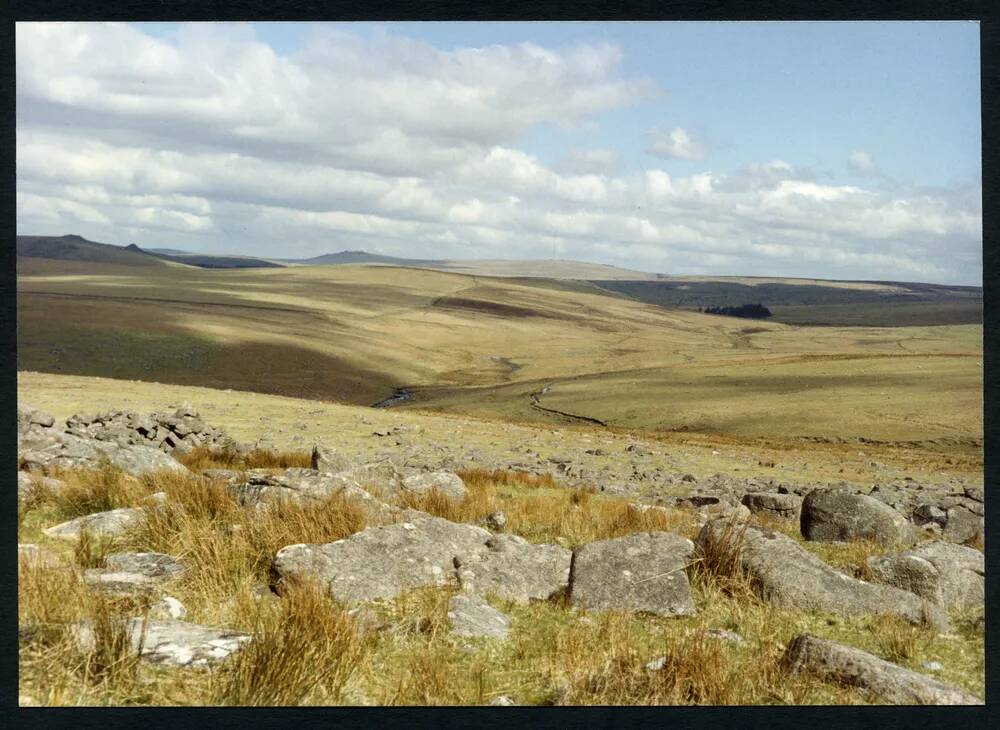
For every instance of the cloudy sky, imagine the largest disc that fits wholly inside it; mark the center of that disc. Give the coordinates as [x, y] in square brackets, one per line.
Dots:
[836, 150]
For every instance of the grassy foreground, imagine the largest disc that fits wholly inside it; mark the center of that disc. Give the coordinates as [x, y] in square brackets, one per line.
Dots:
[309, 650]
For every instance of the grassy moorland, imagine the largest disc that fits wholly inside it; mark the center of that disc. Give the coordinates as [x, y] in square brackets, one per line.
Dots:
[309, 650]
[555, 352]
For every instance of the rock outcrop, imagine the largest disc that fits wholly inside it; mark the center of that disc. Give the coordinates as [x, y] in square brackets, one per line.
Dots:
[785, 574]
[884, 681]
[839, 514]
[644, 573]
[381, 562]
[949, 575]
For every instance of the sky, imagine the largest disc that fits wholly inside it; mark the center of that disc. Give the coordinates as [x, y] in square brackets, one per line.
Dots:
[845, 150]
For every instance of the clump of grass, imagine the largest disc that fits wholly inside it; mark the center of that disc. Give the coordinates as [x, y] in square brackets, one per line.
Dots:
[479, 502]
[48, 596]
[103, 488]
[226, 546]
[305, 650]
[423, 612]
[204, 457]
[113, 658]
[694, 671]
[506, 478]
[720, 559]
[91, 550]
[897, 640]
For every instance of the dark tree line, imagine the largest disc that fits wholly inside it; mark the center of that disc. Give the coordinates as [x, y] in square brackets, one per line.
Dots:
[748, 311]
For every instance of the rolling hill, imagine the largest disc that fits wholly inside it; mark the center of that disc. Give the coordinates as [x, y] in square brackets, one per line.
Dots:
[551, 351]
[77, 248]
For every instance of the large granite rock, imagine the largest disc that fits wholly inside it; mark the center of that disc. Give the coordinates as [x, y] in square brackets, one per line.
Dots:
[447, 483]
[644, 572]
[950, 575]
[513, 569]
[785, 574]
[104, 524]
[836, 514]
[884, 681]
[381, 562]
[774, 504]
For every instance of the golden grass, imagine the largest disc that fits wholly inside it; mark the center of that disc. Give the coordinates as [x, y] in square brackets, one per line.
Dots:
[541, 512]
[308, 650]
[226, 546]
[203, 457]
[303, 652]
[99, 489]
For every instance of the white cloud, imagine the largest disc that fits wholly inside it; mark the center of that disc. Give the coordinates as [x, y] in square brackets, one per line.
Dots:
[861, 163]
[677, 143]
[390, 144]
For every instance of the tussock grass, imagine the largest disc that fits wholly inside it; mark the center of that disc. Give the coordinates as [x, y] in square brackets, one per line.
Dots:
[91, 550]
[541, 513]
[308, 650]
[227, 547]
[506, 478]
[203, 457]
[304, 651]
[103, 488]
[899, 641]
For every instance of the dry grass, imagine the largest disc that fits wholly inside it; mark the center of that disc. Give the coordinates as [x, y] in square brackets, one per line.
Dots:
[899, 641]
[303, 652]
[202, 457]
[307, 649]
[542, 513]
[226, 546]
[103, 488]
[91, 550]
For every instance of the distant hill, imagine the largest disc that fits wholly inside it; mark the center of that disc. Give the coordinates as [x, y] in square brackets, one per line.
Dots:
[77, 248]
[543, 268]
[362, 257]
[214, 261]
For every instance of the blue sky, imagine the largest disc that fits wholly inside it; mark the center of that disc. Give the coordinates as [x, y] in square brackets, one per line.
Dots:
[808, 91]
[900, 99]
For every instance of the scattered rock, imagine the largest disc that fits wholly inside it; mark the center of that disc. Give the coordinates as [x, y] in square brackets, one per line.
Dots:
[961, 525]
[119, 583]
[472, 617]
[952, 576]
[774, 504]
[836, 514]
[495, 521]
[155, 566]
[502, 701]
[104, 524]
[785, 574]
[834, 662]
[643, 572]
[326, 459]
[172, 643]
[445, 482]
[723, 635]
